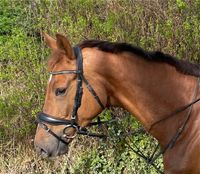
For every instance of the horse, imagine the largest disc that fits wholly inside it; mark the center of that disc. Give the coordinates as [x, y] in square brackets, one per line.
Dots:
[161, 91]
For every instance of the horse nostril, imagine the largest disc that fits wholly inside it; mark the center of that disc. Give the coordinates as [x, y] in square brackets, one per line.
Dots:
[44, 153]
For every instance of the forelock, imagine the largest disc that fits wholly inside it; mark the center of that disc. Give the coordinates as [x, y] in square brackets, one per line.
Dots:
[55, 58]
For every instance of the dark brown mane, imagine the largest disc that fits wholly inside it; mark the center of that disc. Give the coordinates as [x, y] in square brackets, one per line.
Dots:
[181, 66]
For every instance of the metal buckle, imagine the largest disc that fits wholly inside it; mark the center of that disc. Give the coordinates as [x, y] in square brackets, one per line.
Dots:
[65, 135]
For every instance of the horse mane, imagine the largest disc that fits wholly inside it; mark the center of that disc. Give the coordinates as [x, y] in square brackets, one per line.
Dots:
[182, 66]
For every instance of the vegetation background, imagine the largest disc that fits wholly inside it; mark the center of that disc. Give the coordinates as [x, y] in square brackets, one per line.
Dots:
[170, 26]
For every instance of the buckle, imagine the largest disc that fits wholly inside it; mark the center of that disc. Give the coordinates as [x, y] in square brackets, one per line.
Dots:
[67, 131]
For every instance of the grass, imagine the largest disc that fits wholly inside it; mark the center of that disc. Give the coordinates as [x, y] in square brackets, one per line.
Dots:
[169, 26]
[86, 155]
[20, 158]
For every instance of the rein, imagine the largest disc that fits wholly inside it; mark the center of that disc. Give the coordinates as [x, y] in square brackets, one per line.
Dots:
[180, 130]
[154, 156]
[43, 118]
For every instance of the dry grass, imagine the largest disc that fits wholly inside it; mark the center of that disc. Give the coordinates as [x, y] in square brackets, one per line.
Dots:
[21, 158]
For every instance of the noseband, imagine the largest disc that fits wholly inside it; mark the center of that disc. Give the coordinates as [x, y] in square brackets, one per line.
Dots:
[43, 118]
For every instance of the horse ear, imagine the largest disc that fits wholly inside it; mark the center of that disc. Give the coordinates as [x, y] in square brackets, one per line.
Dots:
[64, 44]
[51, 42]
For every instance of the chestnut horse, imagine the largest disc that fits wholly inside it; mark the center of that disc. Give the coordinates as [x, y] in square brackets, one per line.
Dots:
[153, 86]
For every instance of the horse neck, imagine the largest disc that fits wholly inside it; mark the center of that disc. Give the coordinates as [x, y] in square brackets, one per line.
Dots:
[149, 90]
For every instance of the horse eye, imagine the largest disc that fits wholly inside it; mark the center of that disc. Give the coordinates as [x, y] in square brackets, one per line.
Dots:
[60, 91]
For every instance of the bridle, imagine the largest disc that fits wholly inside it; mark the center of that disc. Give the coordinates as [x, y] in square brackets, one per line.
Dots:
[43, 118]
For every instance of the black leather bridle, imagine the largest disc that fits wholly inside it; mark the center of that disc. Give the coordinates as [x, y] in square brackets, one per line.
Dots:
[43, 118]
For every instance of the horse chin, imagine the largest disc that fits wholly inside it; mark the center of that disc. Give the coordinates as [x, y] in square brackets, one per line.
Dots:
[62, 151]
[58, 152]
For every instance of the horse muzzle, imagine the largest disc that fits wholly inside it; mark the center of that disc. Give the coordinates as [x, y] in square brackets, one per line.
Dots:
[47, 145]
